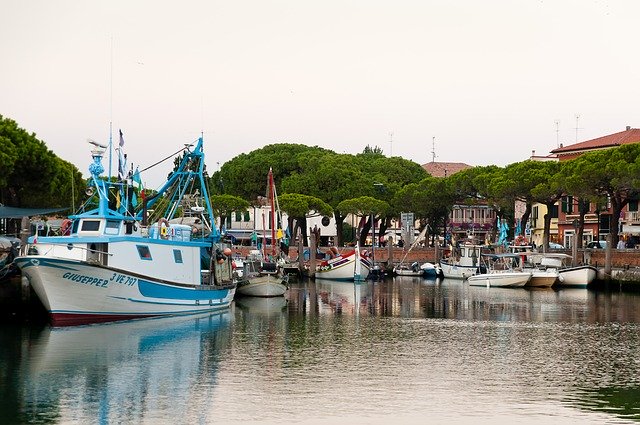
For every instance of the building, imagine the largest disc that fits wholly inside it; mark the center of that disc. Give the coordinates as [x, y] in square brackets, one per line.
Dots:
[465, 220]
[598, 218]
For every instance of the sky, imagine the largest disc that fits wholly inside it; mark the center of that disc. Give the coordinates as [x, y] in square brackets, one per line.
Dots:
[482, 82]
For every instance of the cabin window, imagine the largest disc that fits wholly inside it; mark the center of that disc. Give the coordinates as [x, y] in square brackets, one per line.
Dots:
[462, 252]
[177, 256]
[74, 226]
[90, 225]
[112, 227]
[144, 252]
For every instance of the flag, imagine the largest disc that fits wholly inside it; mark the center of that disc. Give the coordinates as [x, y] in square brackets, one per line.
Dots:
[122, 165]
[121, 144]
[137, 181]
[117, 200]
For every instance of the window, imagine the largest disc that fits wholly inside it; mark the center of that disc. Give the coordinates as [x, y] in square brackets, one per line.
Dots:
[112, 227]
[177, 256]
[90, 225]
[633, 205]
[554, 211]
[247, 216]
[567, 204]
[238, 215]
[144, 252]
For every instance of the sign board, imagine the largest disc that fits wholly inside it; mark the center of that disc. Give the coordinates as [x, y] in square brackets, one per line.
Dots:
[408, 227]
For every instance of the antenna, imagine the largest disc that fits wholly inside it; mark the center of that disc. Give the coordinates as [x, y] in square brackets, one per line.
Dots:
[111, 109]
[557, 133]
[433, 149]
[391, 144]
[577, 127]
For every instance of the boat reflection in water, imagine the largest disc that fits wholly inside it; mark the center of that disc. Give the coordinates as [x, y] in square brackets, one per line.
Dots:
[126, 372]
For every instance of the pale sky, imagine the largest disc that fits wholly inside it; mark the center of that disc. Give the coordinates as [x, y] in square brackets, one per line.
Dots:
[487, 79]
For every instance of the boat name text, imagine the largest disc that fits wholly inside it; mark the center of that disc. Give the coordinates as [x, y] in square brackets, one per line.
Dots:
[87, 280]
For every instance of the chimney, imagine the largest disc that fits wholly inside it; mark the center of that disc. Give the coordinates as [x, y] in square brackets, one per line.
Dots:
[533, 153]
[561, 145]
[628, 127]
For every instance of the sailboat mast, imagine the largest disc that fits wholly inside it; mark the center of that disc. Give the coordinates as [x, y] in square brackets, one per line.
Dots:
[271, 195]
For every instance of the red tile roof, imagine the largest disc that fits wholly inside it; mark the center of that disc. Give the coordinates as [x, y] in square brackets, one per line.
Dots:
[630, 135]
[444, 169]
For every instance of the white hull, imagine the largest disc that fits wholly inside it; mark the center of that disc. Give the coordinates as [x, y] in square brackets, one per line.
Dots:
[264, 285]
[454, 271]
[543, 278]
[343, 268]
[77, 292]
[579, 276]
[500, 279]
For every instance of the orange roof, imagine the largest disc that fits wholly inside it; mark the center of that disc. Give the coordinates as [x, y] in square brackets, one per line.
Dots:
[630, 135]
[444, 169]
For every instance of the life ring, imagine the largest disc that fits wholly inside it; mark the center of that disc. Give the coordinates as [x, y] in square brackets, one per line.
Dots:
[163, 231]
[520, 240]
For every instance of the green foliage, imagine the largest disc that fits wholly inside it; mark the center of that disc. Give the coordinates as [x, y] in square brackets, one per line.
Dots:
[297, 205]
[376, 150]
[224, 205]
[31, 175]
[363, 206]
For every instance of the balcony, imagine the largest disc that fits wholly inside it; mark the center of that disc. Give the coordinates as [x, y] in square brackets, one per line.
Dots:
[632, 217]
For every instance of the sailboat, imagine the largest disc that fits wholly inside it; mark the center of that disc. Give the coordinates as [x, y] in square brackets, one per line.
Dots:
[263, 273]
[415, 269]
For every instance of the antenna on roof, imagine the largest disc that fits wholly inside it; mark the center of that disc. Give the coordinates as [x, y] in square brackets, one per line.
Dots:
[433, 149]
[577, 127]
[390, 144]
[557, 133]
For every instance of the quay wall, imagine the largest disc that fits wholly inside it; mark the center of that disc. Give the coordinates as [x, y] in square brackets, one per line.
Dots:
[620, 258]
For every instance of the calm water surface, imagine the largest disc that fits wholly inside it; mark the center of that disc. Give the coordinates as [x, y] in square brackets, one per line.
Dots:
[401, 351]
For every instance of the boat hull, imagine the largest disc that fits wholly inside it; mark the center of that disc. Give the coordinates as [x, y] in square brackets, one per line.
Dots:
[266, 285]
[501, 280]
[76, 292]
[543, 278]
[455, 271]
[343, 268]
[579, 276]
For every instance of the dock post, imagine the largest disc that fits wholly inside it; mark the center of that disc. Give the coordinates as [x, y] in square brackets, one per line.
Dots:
[300, 256]
[607, 257]
[312, 256]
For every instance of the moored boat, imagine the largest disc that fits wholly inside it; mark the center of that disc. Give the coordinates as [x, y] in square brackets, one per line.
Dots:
[348, 265]
[463, 262]
[502, 271]
[113, 265]
[573, 276]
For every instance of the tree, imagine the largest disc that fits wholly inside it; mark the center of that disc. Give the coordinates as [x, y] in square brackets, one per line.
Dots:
[364, 206]
[614, 173]
[225, 205]
[297, 206]
[550, 188]
[30, 174]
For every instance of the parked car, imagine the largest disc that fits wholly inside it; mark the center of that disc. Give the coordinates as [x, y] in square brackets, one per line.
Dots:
[554, 245]
[597, 244]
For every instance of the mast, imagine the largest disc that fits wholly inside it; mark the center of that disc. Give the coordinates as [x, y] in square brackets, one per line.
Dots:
[272, 202]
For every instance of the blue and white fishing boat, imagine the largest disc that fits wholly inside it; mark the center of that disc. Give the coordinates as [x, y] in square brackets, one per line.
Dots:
[121, 261]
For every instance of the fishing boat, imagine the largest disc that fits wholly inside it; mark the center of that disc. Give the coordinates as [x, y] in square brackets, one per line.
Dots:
[463, 262]
[502, 271]
[119, 261]
[263, 273]
[541, 276]
[351, 265]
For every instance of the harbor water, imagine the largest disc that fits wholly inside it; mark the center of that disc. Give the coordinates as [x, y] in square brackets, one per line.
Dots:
[404, 350]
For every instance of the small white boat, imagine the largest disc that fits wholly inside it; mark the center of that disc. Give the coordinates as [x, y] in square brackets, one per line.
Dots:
[261, 278]
[463, 262]
[573, 276]
[343, 266]
[542, 278]
[502, 271]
